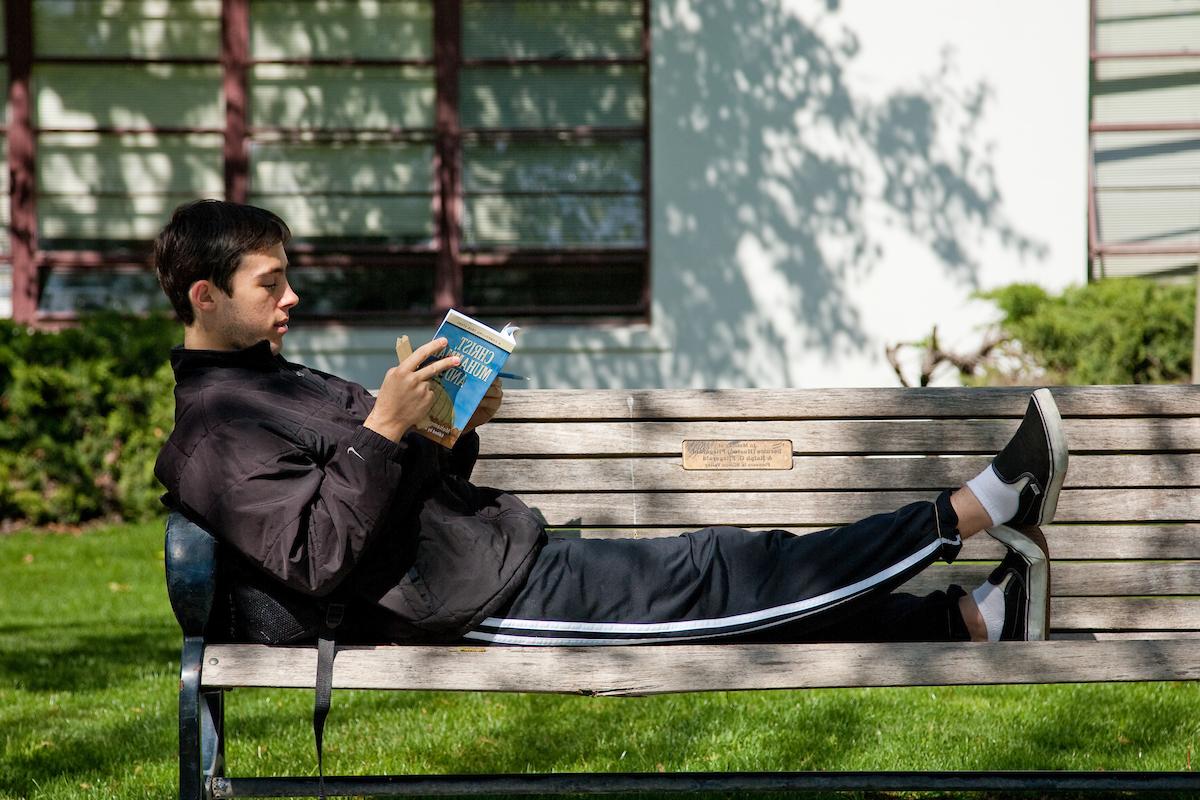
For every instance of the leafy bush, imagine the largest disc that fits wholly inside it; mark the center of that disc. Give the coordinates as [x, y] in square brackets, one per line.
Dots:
[1120, 330]
[83, 412]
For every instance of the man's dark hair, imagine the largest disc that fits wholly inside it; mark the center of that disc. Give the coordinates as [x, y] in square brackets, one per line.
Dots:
[206, 240]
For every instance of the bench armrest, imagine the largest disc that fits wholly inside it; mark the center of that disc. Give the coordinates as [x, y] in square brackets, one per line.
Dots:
[191, 563]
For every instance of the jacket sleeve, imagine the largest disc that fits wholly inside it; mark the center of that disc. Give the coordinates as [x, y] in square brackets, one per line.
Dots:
[306, 521]
[461, 461]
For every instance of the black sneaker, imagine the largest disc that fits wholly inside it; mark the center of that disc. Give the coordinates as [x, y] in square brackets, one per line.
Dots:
[1024, 578]
[1037, 455]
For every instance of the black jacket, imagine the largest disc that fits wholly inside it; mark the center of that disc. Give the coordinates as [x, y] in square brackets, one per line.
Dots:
[272, 458]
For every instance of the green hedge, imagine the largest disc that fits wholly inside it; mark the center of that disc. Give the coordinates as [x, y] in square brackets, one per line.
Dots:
[1120, 330]
[83, 413]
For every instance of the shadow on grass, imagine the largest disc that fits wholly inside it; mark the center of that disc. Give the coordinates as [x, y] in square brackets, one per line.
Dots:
[76, 661]
[91, 705]
[1057, 728]
[1115, 728]
[718, 731]
[113, 747]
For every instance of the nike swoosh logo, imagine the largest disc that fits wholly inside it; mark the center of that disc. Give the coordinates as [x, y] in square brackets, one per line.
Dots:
[354, 452]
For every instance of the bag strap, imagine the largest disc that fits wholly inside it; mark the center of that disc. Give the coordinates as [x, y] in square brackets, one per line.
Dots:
[326, 650]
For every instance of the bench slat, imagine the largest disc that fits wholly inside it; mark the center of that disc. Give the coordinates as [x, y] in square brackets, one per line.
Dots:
[632, 671]
[1125, 613]
[783, 509]
[831, 436]
[1067, 541]
[816, 472]
[550, 404]
[1080, 578]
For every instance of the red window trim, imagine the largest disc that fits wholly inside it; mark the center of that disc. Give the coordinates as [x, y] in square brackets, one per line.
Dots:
[235, 52]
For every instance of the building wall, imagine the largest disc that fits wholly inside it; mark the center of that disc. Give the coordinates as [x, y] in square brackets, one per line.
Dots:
[828, 179]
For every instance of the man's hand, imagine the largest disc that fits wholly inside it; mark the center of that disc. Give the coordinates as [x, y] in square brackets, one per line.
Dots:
[407, 392]
[488, 406]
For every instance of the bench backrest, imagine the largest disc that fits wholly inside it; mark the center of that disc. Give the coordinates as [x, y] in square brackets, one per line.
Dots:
[1125, 547]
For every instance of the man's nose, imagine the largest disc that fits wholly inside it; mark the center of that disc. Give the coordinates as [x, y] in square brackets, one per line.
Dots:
[289, 299]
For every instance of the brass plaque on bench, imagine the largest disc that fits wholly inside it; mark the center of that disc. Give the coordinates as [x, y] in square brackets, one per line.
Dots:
[737, 454]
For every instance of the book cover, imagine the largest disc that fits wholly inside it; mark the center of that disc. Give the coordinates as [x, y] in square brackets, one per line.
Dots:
[460, 389]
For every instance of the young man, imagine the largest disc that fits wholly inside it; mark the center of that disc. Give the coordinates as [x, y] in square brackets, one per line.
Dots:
[318, 490]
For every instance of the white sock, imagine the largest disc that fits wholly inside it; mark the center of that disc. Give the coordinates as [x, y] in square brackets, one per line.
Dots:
[999, 499]
[990, 599]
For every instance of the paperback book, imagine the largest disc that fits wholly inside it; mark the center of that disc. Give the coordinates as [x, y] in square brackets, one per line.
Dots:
[460, 389]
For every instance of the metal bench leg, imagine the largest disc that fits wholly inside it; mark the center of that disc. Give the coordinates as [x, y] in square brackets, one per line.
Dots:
[191, 775]
[212, 735]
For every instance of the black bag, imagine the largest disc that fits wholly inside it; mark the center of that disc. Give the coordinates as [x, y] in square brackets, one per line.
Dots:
[263, 611]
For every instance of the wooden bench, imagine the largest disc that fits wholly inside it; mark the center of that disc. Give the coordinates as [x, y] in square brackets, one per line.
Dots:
[1125, 550]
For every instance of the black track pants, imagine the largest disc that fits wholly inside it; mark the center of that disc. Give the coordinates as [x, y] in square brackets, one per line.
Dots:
[730, 584]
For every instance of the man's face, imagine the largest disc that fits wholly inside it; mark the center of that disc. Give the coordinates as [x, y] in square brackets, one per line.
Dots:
[260, 303]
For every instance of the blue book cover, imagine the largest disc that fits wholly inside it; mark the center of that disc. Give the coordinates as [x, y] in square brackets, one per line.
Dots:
[460, 389]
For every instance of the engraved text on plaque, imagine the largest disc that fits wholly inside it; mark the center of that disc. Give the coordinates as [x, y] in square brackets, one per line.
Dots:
[737, 454]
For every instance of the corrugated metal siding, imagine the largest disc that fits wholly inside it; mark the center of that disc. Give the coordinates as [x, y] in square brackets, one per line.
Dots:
[1159, 266]
[1144, 216]
[1147, 90]
[1157, 158]
[1147, 183]
[1147, 25]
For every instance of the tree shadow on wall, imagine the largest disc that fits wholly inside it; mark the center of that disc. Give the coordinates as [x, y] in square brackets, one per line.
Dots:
[775, 182]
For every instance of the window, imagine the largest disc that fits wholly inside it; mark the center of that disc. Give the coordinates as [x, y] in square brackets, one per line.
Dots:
[552, 112]
[490, 155]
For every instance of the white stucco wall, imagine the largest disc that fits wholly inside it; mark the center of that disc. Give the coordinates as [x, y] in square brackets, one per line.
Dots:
[829, 179]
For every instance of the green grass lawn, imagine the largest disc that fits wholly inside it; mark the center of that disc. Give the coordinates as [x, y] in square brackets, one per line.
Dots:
[88, 673]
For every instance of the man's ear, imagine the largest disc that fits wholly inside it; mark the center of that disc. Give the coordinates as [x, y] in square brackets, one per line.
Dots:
[201, 294]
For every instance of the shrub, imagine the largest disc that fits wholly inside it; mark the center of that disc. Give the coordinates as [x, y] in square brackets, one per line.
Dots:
[1120, 330]
[83, 412]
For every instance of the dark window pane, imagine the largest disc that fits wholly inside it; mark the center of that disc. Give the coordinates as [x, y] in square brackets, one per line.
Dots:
[322, 97]
[84, 96]
[105, 191]
[333, 290]
[342, 28]
[569, 288]
[532, 96]
[361, 192]
[68, 291]
[548, 29]
[566, 220]
[135, 29]
[499, 165]
[349, 220]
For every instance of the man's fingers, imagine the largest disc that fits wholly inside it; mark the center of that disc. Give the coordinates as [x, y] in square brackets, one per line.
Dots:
[441, 365]
[423, 352]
